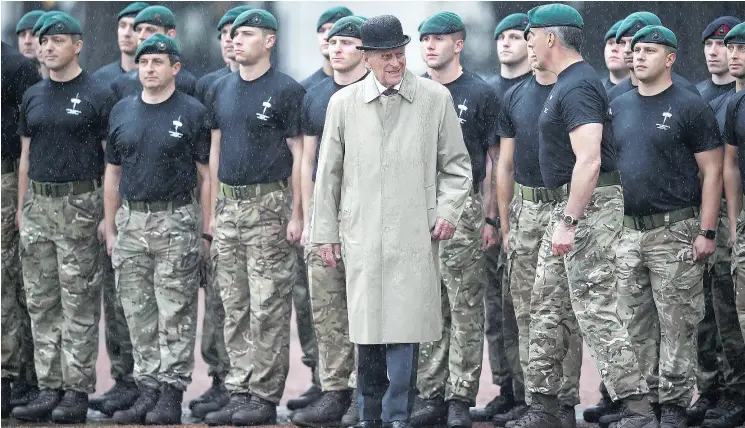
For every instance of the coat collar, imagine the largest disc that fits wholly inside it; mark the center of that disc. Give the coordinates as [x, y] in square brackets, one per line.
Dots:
[408, 87]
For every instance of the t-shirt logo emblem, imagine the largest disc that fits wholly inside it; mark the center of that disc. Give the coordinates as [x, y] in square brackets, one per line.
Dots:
[176, 125]
[75, 101]
[463, 108]
[267, 104]
[666, 115]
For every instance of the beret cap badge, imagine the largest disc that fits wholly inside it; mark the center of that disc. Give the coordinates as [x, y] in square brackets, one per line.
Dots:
[256, 19]
[161, 46]
[60, 26]
[722, 30]
[655, 36]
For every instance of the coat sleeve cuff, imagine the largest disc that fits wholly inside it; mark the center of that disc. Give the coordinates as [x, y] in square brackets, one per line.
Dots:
[448, 214]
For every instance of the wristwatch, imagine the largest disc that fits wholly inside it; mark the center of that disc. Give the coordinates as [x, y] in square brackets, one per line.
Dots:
[708, 233]
[569, 221]
[492, 221]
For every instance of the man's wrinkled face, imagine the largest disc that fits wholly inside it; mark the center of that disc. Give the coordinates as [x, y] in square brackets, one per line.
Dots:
[538, 43]
[716, 57]
[28, 45]
[387, 65]
[156, 71]
[59, 50]
[614, 58]
[439, 50]
[125, 35]
[343, 52]
[511, 47]
[628, 54]
[650, 61]
[736, 60]
[226, 43]
[323, 42]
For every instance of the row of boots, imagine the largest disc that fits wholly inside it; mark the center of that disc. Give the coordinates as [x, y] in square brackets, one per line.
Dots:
[707, 412]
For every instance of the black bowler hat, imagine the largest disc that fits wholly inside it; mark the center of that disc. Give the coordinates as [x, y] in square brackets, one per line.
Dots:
[381, 33]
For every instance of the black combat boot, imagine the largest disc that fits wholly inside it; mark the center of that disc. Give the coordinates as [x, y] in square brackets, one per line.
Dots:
[224, 416]
[352, 416]
[5, 393]
[541, 414]
[23, 391]
[567, 416]
[40, 408]
[502, 403]
[220, 398]
[258, 412]
[121, 397]
[167, 410]
[673, 416]
[636, 413]
[426, 413]
[135, 415]
[730, 412]
[73, 409]
[216, 393]
[326, 411]
[605, 406]
[697, 412]
[458, 415]
[515, 413]
[306, 399]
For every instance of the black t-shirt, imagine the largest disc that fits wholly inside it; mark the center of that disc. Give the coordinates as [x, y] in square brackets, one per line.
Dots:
[18, 74]
[109, 72]
[501, 84]
[709, 90]
[129, 83]
[734, 129]
[626, 86]
[207, 80]
[478, 107]
[657, 138]
[314, 79]
[158, 145]
[719, 105]
[607, 84]
[521, 108]
[313, 115]
[66, 122]
[577, 98]
[255, 118]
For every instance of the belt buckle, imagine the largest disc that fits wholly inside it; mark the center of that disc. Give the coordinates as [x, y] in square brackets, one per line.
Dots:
[641, 224]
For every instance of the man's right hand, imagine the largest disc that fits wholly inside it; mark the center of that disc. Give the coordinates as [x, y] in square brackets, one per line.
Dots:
[19, 216]
[330, 254]
[505, 240]
[110, 241]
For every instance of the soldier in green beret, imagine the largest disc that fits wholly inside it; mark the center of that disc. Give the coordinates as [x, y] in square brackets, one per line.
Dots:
[324, 24]
[578, 166]
[127, 41]
[670, 222]
[613, 53]
[43, 70]
[60, 209]
[28, 44]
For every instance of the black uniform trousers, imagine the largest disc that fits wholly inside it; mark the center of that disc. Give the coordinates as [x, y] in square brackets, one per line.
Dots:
[386, 381]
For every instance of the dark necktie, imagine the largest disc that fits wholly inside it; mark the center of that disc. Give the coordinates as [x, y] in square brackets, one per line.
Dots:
[390, 91]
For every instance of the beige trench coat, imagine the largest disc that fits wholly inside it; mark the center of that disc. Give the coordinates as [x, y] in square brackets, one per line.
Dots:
[388, 167]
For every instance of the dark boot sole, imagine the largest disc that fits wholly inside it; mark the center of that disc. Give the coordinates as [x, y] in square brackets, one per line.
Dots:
[33, 419]
[333, 424]
[238, 423]
[200, 411]
[163, 421]
[66, 420]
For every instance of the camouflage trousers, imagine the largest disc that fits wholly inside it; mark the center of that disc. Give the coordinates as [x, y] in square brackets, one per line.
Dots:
[738, 270]
[591, 286]
[156, 259]
[328, 294]
[451, 367]
[61, 261]
[118, 343]
[661, 302]
[720, 342]
[528, 222]
[254, 273]
[17, 344]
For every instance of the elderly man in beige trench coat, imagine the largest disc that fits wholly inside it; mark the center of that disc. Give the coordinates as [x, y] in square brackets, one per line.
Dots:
[393, 177]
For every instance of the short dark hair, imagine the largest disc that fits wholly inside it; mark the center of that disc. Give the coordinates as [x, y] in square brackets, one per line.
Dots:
[459, 35]
[571, 37]
[173, 58]
[669, 50]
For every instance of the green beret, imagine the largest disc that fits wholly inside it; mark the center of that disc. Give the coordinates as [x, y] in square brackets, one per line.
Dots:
[553, 15]
[441, 23]
[133, 9]
[635, 22]
[28, 20]
[156, 15]
[229, 18]
[736, 35]
[157, 44]
[332, 15]
[656, 34]
[257, 18]
[516, 21]
[60, 24]
[349, 26]
[611, 34]
[43, 18]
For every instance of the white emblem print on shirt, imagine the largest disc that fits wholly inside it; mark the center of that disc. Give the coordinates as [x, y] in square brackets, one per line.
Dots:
[267, 104]
[666, 115]
[463, 108]
[176, 125]
[75, 101]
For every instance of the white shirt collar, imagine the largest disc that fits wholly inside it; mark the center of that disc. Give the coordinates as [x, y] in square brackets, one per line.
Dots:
[382, 88]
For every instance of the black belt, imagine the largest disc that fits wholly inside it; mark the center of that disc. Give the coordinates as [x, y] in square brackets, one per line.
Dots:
[534, 194]
[650, 222]
[251, 191]
[155, 206]
[58, 190]
[605, 179]
[8, 166]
